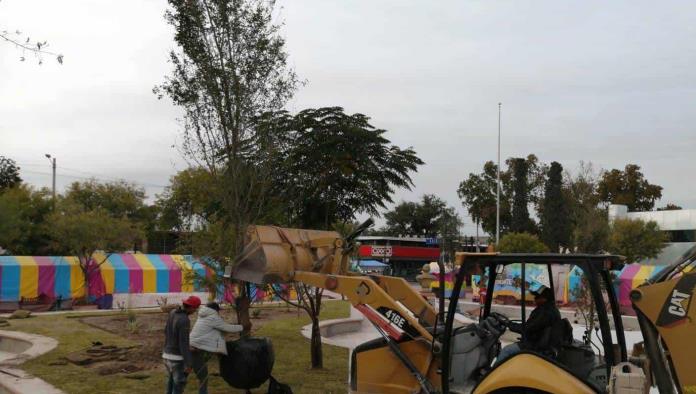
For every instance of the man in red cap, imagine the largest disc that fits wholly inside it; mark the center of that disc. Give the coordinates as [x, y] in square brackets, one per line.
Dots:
[177, 352]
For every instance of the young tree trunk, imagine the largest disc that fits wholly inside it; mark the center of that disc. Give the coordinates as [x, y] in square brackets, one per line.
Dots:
[315, 308]
[317, 357]
[242, 304]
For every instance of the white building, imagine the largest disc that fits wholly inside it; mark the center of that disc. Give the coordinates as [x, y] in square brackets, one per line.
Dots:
[680, 225]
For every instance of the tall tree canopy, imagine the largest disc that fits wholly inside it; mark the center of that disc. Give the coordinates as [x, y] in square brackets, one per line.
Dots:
[334, 165]
[478, 195]
[229, 67]
[628, 187]
[478, 192]
[9, 174]
[554, 212]
[520, 221]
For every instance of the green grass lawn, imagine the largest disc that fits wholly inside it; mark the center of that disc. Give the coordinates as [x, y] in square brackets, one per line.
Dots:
[292, 359]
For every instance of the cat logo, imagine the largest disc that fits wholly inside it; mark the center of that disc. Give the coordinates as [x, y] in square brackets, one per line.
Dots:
[677, 303]
[675, 310]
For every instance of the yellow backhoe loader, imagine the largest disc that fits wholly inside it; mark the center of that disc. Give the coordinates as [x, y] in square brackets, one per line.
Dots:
[421, 350]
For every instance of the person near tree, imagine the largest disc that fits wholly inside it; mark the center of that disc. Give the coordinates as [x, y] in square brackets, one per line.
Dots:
[178, 360]
[207, 339]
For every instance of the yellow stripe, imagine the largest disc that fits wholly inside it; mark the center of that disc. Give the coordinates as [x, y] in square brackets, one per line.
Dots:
[108, 276]
[186, 273]
[149, 273]
[77, 278]
[28, 277]
[640, 277]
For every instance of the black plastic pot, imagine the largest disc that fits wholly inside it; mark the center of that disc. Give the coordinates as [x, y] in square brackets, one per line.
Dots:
[248, 363]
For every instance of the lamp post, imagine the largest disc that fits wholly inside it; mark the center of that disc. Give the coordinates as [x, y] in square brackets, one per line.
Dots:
[497, 198]
[53, 164]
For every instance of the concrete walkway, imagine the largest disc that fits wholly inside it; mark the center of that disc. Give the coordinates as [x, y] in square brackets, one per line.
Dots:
[15, 348]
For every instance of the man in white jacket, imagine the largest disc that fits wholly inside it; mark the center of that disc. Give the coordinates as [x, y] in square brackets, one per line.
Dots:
[207, 339]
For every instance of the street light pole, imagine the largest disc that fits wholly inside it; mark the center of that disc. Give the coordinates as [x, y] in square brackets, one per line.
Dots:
[53, 164]
[497, 199]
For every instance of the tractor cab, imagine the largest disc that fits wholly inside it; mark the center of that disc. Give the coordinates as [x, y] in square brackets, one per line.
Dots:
[561, 360]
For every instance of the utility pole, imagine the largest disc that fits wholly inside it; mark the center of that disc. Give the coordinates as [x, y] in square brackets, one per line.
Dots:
[53, 164]
[497, 199]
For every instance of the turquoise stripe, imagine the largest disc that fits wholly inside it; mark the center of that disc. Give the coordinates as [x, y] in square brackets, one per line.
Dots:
[162, 273]
[199, 269]
[121, 274]
[63, 277]
[9, 279]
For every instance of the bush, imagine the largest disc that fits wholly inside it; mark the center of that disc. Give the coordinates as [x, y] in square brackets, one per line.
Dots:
[521, 243]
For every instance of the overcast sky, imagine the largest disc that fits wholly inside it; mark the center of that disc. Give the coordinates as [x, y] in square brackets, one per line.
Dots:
[606, 82]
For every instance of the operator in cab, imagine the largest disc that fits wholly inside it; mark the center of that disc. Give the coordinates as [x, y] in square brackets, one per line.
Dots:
[537, 328]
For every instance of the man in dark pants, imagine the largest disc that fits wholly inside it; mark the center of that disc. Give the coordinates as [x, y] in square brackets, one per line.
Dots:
[177, 352]
[544, 316]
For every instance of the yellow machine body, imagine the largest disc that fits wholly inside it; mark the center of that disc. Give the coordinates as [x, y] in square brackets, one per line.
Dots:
[379, 371]
[319, 258]
[669, 308]
[271, 254]
[532, 372]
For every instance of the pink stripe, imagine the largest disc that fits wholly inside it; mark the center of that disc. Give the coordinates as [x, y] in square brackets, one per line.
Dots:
[47, 276]
[135, 273]
[174, 273]
[97, 287]
[625, 282]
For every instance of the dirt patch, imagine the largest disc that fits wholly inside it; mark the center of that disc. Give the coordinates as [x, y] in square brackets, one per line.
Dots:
[147, 330]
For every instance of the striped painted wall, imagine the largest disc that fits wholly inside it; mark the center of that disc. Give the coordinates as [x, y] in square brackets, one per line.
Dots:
[53, 276]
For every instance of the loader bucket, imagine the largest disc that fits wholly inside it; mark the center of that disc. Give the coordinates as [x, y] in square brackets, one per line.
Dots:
[271, 254]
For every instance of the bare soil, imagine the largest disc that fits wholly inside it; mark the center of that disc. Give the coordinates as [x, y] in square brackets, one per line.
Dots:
[147, 330]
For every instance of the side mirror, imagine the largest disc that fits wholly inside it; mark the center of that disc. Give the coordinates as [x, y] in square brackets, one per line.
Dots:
[499, 269]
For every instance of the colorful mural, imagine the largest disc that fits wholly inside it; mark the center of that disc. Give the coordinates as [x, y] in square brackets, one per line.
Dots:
[509, 284]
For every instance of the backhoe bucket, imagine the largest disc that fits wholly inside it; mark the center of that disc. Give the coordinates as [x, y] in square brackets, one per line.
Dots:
[271, 254]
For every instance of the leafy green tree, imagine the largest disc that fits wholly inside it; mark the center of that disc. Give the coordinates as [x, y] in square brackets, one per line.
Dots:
[79, 231]
[628, 187]
[23, 212]
[400, 220]
[478, 192]
[521, 243]
[118, 199]
[336, 165]
[430, 217]
[591, 231]
[636, 239]
[520, 221]
[554, 213]
[478, 195]
[9, 174]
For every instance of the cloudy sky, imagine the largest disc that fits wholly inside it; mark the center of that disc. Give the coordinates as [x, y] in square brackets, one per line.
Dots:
[606, 82]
